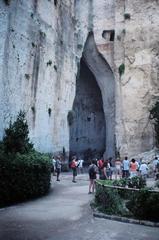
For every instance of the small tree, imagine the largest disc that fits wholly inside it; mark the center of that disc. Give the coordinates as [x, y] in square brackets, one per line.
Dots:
[16, 136]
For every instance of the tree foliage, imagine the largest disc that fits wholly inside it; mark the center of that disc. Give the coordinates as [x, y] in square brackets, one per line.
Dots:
[16, 136]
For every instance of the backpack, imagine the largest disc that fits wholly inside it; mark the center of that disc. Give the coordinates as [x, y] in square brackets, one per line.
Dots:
[73, 164]
[100, 164]
[92, 170]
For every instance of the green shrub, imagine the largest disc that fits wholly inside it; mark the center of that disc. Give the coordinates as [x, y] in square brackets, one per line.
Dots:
[24, 173]
[144, 204]
[23, 176]
[127, 16]
[16, 136]
[108, 200]
[136, 182]
[120, 183]
[49, 63]
[121, 69]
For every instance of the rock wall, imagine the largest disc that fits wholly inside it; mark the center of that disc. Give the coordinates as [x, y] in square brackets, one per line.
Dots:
[42, 43]
[137, 88]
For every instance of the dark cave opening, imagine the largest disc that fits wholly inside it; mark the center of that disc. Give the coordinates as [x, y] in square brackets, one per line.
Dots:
[87, 126]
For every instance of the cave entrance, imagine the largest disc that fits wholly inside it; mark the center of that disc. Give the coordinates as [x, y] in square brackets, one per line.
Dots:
[92, 119]
[87, 129]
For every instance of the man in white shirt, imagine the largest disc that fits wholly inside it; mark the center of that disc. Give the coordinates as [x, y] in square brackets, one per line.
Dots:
[80, 165]
[143, 170]
[53, 166]
[125, 166]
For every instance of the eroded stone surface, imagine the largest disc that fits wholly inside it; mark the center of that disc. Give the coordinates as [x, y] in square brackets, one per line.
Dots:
[41, 48]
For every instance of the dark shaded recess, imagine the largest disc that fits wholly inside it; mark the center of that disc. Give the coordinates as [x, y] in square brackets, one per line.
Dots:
[87, 128]
[7, 2]
[127, 16]
[49, 112]
[35, 72]
[108, 35]
[55, 2]
[35, 5]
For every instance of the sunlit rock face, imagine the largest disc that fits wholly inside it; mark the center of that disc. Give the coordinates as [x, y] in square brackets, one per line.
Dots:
[42, 43]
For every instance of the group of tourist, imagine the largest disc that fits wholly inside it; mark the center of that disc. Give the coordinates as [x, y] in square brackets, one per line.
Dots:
[107, 169]
[121, 169]
[125, 168]
[76, 166]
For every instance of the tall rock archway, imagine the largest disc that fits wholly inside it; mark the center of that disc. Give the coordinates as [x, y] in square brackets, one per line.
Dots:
[87, 129]
[93, 114]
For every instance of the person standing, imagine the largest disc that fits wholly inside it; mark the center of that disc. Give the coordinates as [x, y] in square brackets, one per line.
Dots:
[106, 170]
[58, 168]
[126, 167]
[133, 168]
[92, 170]
[80, 165]
[53, 166]
[74, 165]
[100, 164]
[117, 168]
[112, 167]
[155, 161]
[143, 170]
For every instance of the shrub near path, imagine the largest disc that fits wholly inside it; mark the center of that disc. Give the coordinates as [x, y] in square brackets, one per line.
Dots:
[24, 173]
[140, 203]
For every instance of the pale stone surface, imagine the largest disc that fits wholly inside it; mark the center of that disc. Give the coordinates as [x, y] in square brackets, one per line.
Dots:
[41, 48]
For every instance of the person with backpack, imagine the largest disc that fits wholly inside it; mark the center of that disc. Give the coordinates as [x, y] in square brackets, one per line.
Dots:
[100, 164]
[92, 170]
[74, 165]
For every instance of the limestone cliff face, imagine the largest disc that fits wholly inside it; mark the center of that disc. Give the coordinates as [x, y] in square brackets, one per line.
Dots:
[42, 43]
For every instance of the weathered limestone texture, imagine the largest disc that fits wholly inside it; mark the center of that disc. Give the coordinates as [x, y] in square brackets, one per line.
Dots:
[41, 46]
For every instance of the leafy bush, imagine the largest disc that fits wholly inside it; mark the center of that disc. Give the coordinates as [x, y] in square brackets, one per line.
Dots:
[24, 173]
[144, 204]
[16, 136]
[23, 176]
[120, 183]
[136, 182]
[127, 16]
[108, 200]
[121, 69]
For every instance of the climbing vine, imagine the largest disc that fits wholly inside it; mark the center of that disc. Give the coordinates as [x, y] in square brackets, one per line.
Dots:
[121, 69]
